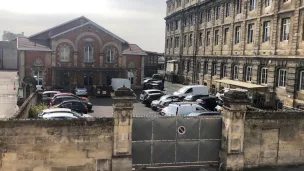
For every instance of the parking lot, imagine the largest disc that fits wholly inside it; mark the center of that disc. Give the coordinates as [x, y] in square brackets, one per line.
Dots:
[103, 107]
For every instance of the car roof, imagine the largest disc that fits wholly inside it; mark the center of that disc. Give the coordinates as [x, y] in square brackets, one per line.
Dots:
[58, 114]
[57, 110]
[60, 94]
[154, 94]
[46, 92]
[58, 97]
[147, 91]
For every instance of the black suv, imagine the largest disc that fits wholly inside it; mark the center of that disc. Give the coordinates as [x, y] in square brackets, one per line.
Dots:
[150, 97]
[59, 99]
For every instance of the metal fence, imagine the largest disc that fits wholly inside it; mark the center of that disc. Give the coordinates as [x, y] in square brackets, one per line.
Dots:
[176, 140]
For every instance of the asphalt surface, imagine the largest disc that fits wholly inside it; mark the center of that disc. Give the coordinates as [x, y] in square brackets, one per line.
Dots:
[8, 96]
[103, 107]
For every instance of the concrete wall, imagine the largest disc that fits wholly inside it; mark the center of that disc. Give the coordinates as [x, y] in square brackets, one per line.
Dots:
[8, 55]
[61, 145]
[273, 138]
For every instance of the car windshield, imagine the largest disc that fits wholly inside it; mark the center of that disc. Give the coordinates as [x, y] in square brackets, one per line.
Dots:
[182, 90]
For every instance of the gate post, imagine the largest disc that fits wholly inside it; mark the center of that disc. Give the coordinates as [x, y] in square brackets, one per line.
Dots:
[123, 100]
[232, 150]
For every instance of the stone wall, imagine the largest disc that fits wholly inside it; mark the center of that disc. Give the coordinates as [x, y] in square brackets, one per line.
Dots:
[273, 138]
[56, 145]
[23, 111]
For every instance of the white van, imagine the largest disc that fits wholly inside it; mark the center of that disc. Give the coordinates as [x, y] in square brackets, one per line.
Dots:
[120, 82]
[192, 90]
[181, 109]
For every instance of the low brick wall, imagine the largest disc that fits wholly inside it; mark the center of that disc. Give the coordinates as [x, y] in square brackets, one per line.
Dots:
[274, 138]
[56, 145]
[23, 111]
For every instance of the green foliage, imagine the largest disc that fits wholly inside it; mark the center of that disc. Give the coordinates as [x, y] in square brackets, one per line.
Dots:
[36, 110]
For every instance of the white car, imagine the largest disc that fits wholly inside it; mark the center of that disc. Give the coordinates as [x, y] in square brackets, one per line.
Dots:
[221, 93]
[192, 90]
[181, 109]
[81, 91]
[146, 92]
[53, 111]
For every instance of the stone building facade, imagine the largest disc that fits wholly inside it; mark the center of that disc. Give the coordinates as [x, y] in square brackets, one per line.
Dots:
[78, 53]
[259, 42]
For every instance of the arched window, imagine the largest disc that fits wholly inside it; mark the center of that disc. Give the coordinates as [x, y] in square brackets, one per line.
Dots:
[88, 54]
[224, 71]
[110, 56]
[248, 73]
[64, 53]
[214, 69]
[282, 78]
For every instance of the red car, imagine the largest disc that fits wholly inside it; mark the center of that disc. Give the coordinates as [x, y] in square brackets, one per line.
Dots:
[67, 94]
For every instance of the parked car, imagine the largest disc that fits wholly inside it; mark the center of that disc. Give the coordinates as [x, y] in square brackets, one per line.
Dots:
[48, 95]
[150, 97]
[80, 91]
[75, 105]
[158, 76]
[71, 94]
[193, 98]
[181, 109]
[61, 111]
[166, 98]
[192, 90]
[209, 102]
[203, 113]
[154, 85]
[151, 91]
[59, 99]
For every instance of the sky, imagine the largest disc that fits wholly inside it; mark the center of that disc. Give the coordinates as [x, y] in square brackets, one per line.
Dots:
[138, 21]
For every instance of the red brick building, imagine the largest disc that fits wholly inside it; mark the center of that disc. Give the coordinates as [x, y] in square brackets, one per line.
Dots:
[78, 53]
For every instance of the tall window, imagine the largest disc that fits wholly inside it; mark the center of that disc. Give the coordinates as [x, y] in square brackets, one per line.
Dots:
[266, 33]
[226, 32]
[217, 12]
[64, 54]
[200, 39]
[239, 6]
[176, 42]
[191, 20]
[235, 72]
[227, 10]
[267, 3]
[171, 43]
[214, 68]
[282, 78]
[216, 37]
[301, 80]
[250, 33]
[285, 29]
[264, 75]
[208, 38]
[190, 40]
[224, 71]
[38, 77]
[176, 24]
[110, 56]
[206, 68]
[88, 54]
[248, 73]
[167, 43]
[188, 65]
[209, 15]
[237, 34]
[285, 1]
[179, 3]
[251, 5]
[201, 18]
[185, 41]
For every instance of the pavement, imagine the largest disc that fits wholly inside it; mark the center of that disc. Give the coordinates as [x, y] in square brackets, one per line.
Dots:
[103, 107]
[8, 96]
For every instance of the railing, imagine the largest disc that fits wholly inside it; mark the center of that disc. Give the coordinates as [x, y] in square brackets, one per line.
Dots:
[23, 111]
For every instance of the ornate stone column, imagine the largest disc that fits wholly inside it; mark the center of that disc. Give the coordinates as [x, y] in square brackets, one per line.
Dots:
[123, 100]
[232, 150]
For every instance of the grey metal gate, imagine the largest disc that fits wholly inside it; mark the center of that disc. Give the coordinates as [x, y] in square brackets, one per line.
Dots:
[176, 140]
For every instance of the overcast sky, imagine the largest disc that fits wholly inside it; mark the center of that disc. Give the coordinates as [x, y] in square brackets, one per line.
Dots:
[137, 21]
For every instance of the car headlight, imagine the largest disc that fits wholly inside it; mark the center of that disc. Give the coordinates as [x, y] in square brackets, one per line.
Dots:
[89, 103]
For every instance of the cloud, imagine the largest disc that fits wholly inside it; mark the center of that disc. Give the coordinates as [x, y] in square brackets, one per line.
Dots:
[137, 21]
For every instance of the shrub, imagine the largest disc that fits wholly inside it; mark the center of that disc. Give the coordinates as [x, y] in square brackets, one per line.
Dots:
[36, 110]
